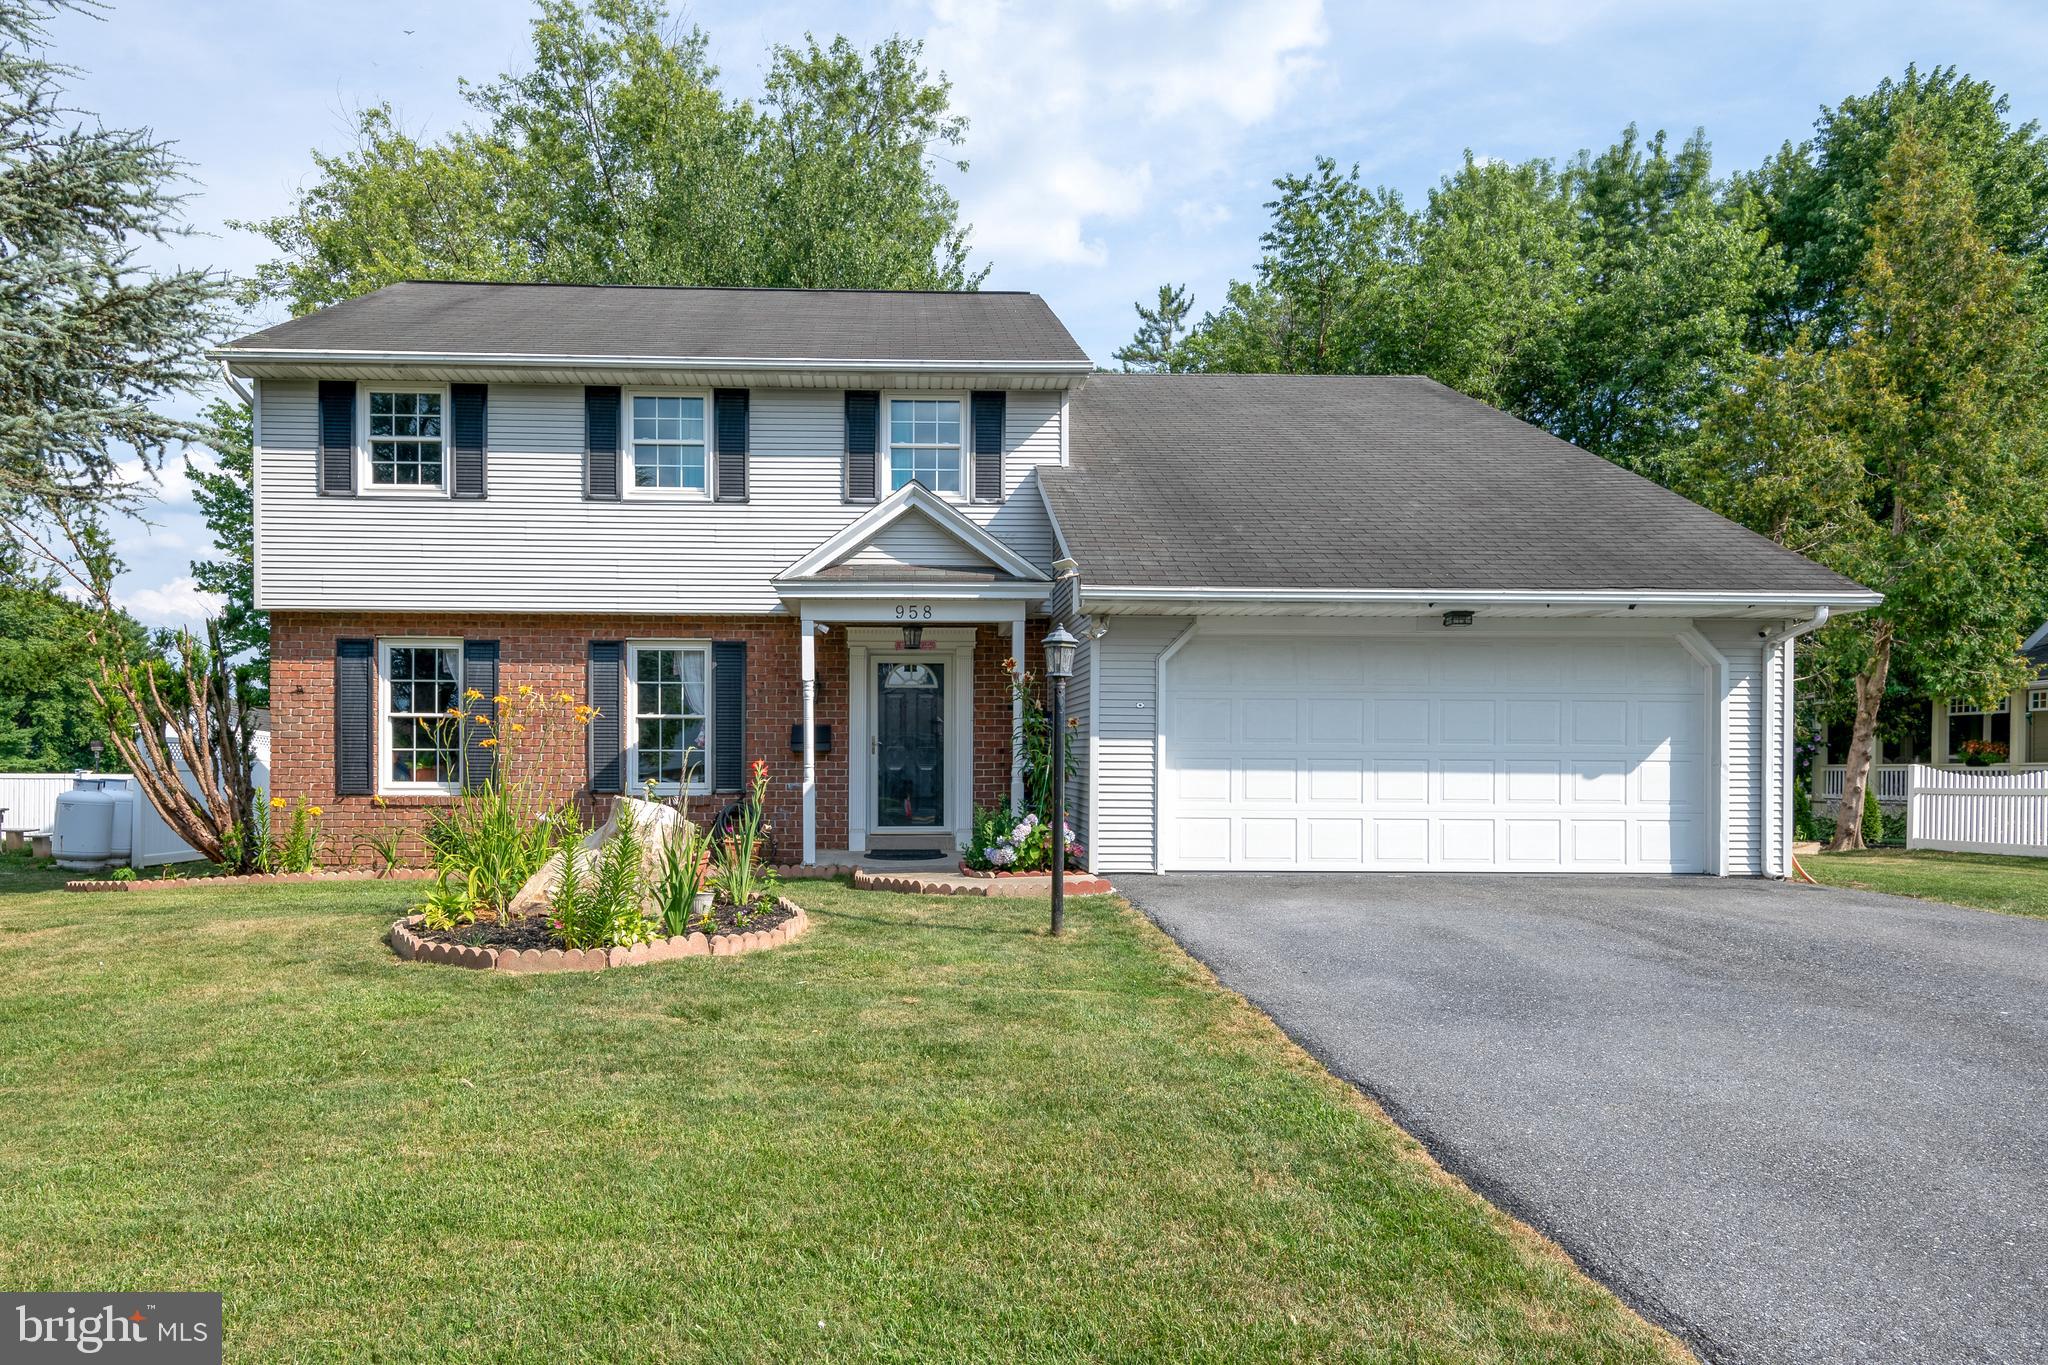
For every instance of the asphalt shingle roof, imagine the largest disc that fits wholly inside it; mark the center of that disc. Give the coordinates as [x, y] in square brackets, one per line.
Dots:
[861, 326]
[1381, 482]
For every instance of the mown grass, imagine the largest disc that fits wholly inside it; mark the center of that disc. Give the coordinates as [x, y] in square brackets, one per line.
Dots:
[1984, 881]
[924, 1132]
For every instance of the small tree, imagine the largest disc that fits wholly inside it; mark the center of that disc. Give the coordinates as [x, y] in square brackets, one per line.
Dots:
[1160, 329]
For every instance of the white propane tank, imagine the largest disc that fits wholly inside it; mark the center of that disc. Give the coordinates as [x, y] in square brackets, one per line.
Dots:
[93, 826]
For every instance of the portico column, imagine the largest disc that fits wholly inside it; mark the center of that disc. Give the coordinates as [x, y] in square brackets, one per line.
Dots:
[1016, 712]
[807, 655]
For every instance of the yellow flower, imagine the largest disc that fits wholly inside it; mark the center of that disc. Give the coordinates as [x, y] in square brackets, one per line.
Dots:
[277, 803]
[454, 710]
[502, 700]
[379, 802]
[526, 689]
[564, 698]
[473, 695]
[481, 719]
[517, 728]
[488, 744]
[313, 810]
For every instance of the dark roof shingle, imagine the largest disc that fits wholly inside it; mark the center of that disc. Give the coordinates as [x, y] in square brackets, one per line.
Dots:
[1381, 482]
[613, 321]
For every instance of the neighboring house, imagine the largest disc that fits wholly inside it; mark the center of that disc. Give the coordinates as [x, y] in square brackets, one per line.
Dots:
[2012, 736]
[1328, 622]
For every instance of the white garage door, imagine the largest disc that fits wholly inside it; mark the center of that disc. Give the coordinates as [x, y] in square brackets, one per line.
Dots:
[1417, 754]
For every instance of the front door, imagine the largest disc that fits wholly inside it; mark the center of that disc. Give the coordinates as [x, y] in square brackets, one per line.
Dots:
[910, 745]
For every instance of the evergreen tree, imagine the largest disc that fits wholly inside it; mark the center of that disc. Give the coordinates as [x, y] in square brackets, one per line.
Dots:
[224, 495]
[1159, 331]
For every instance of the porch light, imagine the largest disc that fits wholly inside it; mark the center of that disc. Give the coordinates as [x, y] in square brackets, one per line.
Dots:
[1457, 618]
[1059, 654]
[913, 637]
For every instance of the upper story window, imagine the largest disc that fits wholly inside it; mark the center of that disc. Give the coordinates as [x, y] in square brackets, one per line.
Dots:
[422, 742]
[670, 701]
[924, 443]
[405, 437]
[668, 443]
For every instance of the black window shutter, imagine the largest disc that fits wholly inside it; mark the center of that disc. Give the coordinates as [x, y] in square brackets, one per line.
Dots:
[607, 727]
[863, 422]
[479, 672]
[337, 474]
[355, 717]
[989, 408]
[728, 715]
[601, 442]
[731, 409]
[467, 423]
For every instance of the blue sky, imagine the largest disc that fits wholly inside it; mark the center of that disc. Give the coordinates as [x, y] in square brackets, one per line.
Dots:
[1114, 145]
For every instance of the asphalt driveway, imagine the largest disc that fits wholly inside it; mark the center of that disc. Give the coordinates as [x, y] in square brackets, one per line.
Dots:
[1789, 1124]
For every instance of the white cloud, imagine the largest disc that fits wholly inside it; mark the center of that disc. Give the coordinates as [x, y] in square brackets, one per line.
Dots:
[1197, 215]
[180, 602]
[1079, 113]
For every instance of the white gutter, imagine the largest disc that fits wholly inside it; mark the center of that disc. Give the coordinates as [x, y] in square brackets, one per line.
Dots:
[808, 588]
[1470, 597]
[511, 360]
[228, 377]
[1781, 704]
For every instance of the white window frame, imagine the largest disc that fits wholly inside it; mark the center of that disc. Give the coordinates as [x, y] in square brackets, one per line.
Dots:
[1963, 708]
[627, 484]
[385, 785]
[364, 483]
[630, 729]
[888, 446]
[2037, 700]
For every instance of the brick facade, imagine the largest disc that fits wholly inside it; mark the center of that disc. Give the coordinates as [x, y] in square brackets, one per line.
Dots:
[550, 653]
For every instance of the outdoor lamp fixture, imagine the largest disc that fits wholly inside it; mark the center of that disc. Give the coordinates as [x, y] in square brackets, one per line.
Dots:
[913, 637]
[96, 746]
[1457, 618]
[1059, 666]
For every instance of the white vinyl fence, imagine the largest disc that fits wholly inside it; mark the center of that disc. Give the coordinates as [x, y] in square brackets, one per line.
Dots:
[1977, 812]
[30, 799]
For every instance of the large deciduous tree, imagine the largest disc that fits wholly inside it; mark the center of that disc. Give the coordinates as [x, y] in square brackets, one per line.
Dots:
[1903, 445]
[93, 340]
[614, 158]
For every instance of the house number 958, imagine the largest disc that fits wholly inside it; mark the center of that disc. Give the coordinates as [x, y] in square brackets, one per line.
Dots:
[913, 611]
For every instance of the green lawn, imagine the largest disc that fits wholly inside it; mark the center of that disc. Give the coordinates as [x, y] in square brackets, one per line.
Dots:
[924, 1132]
[1987, 881]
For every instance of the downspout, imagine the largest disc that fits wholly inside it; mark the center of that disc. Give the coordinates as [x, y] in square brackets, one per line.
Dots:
[1775, 640]
[228, 377]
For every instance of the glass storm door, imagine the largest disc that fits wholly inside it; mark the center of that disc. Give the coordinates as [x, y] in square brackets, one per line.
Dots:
[910, 745]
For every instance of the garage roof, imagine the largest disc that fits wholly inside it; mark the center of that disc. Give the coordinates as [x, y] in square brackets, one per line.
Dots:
[850, 326]
[1394, 482]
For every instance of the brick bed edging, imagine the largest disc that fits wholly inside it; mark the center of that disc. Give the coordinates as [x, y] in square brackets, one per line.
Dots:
[399, 874]
[413, 948]
[951, 884]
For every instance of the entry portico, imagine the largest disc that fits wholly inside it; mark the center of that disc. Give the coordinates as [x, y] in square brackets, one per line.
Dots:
[908, 584]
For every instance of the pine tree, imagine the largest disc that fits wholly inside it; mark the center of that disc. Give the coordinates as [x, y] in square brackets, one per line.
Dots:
[1159, 330]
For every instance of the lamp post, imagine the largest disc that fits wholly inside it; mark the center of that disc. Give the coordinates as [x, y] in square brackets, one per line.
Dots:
[1059, 666]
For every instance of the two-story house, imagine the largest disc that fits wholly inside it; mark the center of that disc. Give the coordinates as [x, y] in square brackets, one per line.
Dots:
[1343, 623]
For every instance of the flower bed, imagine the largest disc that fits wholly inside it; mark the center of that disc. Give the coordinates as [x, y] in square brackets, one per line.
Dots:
[788, 921]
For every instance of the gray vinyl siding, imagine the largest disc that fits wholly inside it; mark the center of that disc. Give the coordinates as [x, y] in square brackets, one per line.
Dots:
[1126, 741]
[1746, 733]
[536, 545]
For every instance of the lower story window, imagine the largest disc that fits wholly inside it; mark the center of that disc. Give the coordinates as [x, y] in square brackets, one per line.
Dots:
[670, 702]
[422, 714]
[1979, 737]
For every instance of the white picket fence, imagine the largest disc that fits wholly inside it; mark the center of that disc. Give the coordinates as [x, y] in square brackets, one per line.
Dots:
[1977, 812]
[30, 799]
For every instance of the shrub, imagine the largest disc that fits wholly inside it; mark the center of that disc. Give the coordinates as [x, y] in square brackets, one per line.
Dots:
[599, 907]
[1013, 841]
[1804, 827]
[451, 899]
[122, 874]
[258, 843]
[1873, 819]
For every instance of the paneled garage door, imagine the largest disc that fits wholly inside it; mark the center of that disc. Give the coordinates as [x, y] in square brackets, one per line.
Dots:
[1418, 754]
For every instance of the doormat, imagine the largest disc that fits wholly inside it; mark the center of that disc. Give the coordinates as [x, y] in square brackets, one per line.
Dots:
[905, 855]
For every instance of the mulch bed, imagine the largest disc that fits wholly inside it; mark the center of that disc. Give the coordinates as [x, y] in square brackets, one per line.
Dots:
[537, 931]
